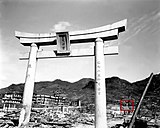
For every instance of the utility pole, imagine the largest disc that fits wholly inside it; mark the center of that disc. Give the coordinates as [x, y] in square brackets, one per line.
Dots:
[140, 102]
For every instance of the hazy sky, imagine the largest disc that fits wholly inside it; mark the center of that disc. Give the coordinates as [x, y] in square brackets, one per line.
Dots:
[139, 45]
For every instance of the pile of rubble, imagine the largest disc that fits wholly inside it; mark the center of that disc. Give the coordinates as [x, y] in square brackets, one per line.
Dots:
[48, 119]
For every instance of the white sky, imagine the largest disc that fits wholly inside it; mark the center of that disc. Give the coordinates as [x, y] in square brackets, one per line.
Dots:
[139, 48]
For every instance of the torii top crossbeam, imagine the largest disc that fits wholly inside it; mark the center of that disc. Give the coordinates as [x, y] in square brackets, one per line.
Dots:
[108, 32]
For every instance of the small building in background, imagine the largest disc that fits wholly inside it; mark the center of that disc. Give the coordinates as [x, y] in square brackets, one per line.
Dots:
[13, 100]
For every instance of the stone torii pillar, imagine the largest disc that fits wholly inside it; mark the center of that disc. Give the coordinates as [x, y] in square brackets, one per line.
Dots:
[29, 86]
[100, 87]
[63, 40]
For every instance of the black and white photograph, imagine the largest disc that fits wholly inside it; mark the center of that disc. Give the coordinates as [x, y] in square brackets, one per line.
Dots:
[79, 63]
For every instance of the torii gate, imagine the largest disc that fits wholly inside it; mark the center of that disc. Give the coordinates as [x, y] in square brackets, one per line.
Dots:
[63, 40]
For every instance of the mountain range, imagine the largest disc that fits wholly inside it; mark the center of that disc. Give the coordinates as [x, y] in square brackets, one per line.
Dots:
[83, 89]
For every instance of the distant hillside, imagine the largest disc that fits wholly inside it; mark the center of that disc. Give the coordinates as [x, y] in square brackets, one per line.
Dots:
[84, 89]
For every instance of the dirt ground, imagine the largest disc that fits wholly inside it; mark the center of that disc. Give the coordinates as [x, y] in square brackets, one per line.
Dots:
[83, 126]
[109, 124]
